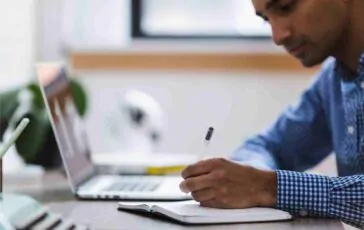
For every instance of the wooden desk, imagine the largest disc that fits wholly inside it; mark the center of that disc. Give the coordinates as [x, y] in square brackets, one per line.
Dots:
[104, 215]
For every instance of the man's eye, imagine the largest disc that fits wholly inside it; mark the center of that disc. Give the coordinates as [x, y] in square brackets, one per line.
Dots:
[265, 19]
[286, 8]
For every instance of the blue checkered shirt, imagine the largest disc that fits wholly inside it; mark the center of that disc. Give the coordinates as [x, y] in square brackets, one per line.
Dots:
[328, 117]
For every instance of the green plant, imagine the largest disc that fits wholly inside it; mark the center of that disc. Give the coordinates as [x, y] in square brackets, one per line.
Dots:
[31, 143]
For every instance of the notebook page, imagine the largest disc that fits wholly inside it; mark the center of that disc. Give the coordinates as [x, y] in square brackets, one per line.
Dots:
[192, 212]
[192, 208]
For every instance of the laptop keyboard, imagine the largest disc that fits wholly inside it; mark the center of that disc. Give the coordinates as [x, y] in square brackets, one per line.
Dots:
[134, 186]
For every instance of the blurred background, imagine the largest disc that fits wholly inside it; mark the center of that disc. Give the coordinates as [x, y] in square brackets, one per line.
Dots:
[205, 63]
[202, 63]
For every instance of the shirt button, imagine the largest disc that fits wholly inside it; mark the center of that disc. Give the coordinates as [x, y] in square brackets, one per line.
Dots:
[351, 130]
[303, 213]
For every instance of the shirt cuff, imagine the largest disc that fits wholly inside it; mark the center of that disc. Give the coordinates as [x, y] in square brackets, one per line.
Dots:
[303, 194]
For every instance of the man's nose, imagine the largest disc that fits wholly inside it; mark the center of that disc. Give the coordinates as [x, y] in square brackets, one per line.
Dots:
[280, 33]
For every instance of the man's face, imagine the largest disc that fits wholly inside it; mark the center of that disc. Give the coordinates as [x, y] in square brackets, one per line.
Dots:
[310, 30]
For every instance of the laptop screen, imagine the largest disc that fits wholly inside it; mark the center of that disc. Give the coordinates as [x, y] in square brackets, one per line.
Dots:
[66, 122]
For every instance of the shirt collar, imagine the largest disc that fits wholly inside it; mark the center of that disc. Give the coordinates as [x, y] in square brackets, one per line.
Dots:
[346, 74]
[348, 84]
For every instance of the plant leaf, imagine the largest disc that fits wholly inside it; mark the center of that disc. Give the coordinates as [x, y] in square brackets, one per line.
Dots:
[8, 103]
[37, 95]
[34, 136]
[79, 96]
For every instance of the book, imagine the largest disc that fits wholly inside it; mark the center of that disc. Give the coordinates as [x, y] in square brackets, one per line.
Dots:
[191, 212]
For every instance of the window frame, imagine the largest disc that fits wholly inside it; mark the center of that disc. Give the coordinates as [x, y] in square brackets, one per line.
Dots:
[136, 30]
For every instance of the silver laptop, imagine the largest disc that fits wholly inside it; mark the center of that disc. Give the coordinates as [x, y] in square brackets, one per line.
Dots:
[85, 181]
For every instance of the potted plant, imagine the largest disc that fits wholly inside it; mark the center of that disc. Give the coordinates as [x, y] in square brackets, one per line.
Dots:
[37, 144]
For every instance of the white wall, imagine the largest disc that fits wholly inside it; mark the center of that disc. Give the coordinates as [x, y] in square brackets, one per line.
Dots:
[236, 104]
[69, 25]
[50, 38]
[17, 41]
[95, 24]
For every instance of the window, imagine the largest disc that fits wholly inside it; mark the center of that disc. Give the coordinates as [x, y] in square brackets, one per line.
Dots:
[197, 19]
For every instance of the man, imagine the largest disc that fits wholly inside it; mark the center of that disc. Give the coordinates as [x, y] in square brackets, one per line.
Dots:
[329, 117]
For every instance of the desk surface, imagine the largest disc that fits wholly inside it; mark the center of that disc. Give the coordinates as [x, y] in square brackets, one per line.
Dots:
[53, 186]
[104, 215]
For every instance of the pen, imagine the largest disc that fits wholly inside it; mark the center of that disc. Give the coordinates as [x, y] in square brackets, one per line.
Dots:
[206, 142]
[19, 129]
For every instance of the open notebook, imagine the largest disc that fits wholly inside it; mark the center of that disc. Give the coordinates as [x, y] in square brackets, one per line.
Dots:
[191, 212]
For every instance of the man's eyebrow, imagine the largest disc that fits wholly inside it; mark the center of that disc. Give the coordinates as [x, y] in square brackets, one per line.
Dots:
[269, 5]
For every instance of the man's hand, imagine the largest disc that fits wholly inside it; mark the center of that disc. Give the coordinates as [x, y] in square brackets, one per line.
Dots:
[221, 183]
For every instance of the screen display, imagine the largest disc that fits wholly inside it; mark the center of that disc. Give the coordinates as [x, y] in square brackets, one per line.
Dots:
[66, 122]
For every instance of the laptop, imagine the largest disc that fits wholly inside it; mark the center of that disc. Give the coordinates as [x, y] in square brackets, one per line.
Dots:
[85, 180]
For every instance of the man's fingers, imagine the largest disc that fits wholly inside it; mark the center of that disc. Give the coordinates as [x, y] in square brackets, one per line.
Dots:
[203, 195]
[183, 188]
[215, 203]
[196, 183]
[210, 204]
[201, 167]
